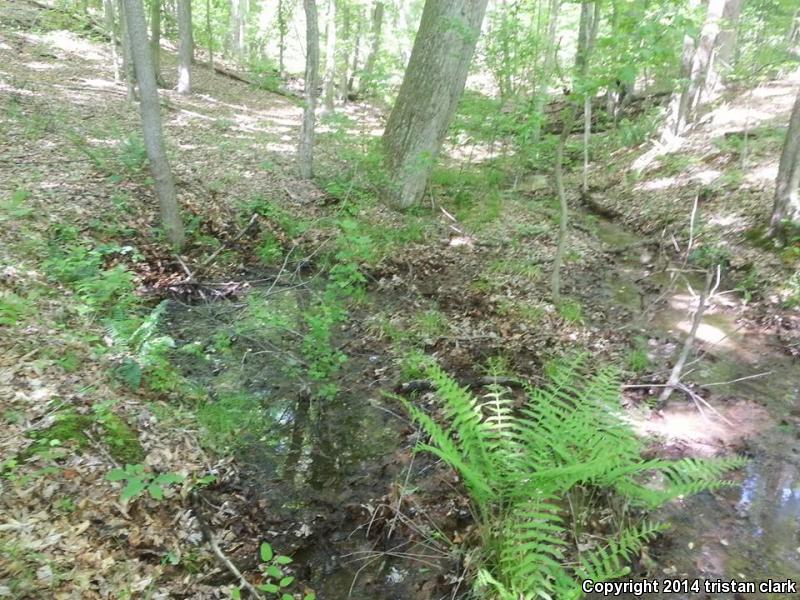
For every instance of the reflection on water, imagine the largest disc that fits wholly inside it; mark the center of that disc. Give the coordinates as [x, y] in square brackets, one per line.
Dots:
[751, 531]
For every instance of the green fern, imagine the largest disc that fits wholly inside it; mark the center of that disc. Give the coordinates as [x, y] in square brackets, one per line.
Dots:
[519, 465]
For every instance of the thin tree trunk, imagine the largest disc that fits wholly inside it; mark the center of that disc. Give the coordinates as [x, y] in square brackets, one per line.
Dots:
[546, 73]
[676, 112]
[238, 30]
[351, 81]
[185, 50]
[433, 84]
[155, 39]
[786, 210]
[330, 55]
[127, 62]
[342, 50]
[587, 101]
[367, 79]
[210, 33]
[111, 26]
[283, 29]
[151, 123]
[305, 152]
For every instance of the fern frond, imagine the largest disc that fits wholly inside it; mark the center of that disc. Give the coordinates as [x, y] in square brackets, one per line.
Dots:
[443, 446]
[608, 562]
[531, 546]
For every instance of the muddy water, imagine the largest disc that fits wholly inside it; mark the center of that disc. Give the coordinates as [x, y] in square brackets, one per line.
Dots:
[312, 467]
[751, 531]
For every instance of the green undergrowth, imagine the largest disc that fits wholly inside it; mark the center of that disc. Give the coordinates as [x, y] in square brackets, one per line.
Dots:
[536, 474]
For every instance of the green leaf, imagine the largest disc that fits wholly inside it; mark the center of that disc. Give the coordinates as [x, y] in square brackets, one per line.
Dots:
[286, 581]
[116, 475]
[283, 560]
[236, 593]
[133, 489]
[287, 597]
[266, 552]
[273, 571]
[270, 588]
[168, 478]
[310, 597]
[130, 373]
[156, 491]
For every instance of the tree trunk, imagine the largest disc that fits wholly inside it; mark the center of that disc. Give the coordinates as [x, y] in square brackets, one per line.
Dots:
[185, 50]
[786, 211]
[210, 33]
[151, 123]
[432, 86]
[728, 35]
[342, 57]
[328, 83]
[587, 100]
[111, 26]
[676, 112]
[367, 78]
[351, 81]
[127, 62]
[238, 30]
[305, 151]
[540, 95]
[155, 39]
[587, 31]
[283, 29]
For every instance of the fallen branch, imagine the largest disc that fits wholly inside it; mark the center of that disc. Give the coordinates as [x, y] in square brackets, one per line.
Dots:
[675, 374]
[212, 543]
[426, 385]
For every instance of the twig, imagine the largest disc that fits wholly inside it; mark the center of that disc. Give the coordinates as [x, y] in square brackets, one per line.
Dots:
[216, 252]
[212, 542]
[675, 375]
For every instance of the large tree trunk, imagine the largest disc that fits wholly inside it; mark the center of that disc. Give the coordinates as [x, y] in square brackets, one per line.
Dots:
[587, 100]
[374, 44]
[786, 210]
[305, 151]
[328, 83]
[676, 112]
[155, 39]
[185, 49]
[683, 108]
[728, 35]
[432, 86]
[151, 123]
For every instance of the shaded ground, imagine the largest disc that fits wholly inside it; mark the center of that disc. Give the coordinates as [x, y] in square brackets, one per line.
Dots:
[334, 485]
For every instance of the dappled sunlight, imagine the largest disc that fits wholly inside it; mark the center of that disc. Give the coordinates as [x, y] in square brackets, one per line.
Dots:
[69, 42]
[703, 432]
[662, 183]
[42, 66]
[706, 176]
[764, 174]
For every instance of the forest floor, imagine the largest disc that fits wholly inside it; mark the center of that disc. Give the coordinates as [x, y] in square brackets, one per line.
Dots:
[464, 279]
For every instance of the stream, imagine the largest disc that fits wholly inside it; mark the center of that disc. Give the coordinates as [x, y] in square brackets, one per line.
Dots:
[751, 531]
[318, 470]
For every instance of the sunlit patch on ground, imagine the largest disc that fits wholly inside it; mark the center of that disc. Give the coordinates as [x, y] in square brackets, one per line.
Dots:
[704, 433]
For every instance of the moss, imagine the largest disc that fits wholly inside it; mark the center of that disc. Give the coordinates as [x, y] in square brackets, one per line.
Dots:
[121, 439]
[68, 427]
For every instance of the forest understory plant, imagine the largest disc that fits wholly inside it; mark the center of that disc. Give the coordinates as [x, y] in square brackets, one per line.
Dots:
[524, 467]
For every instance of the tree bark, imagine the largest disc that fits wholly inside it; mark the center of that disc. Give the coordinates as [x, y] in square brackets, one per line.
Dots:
[330, 55]
[367, 79]
[786, 210]
[210, 33]
[127, 63]
[111, 26]
[676, 112]
[238, 29]
[587, 100]
[305, 151]
[433, 84]
[185, 49]
[151, 123]
[283, 29]
[540, 94]
[728, 35]
[155, 39]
